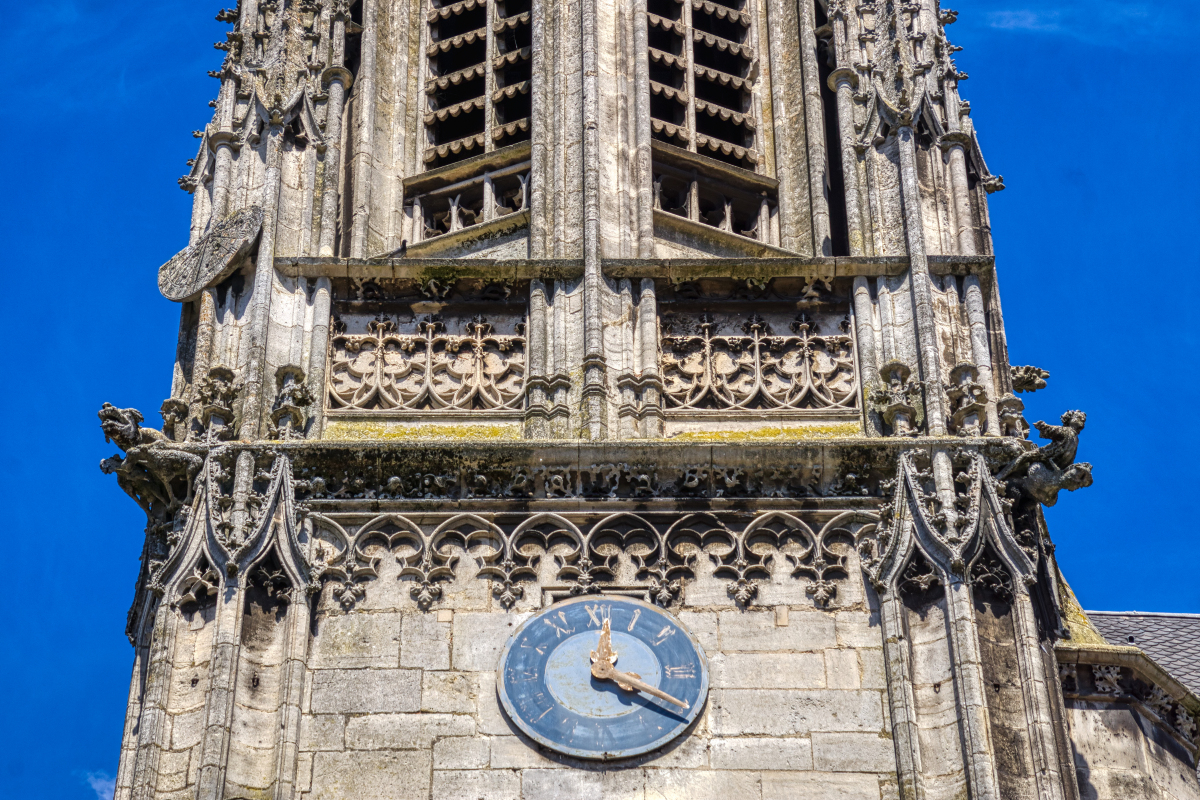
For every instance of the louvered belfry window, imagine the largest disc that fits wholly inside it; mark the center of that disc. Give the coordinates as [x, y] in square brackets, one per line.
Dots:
[703, 65]
[478, 79]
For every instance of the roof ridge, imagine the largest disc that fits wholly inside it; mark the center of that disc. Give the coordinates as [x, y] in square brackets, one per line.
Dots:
[1146, 614]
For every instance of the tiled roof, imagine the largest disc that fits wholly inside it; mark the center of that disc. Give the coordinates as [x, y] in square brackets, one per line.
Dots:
[1173, 640]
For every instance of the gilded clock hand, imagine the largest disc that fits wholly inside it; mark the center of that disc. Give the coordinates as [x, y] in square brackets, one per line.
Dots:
[603, 659]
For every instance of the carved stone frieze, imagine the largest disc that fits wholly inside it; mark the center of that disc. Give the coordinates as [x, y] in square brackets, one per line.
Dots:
[661, 554]
[429, 370]
[761, 370]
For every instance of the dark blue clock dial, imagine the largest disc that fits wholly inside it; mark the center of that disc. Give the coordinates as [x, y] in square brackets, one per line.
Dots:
[546, 685]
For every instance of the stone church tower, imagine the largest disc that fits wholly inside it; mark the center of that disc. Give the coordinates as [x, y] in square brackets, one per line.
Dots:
[680, 313]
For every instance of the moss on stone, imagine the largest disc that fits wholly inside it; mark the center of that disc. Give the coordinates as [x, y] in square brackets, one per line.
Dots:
[798, 433]
[364, 431]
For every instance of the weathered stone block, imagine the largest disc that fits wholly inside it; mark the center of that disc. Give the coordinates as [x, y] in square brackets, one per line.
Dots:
[859, 629]
[360, 691]
[322, 732]
[818, 786]
[404, 731]
[491, 717]
[448, 692]
[785, 712]
[400, 775]
[480, 636]
[425, 642]
[349, 641]
[755, 631]
[703, 625]
[841, 669]
[476, 784]
[664, 784]
[872, 668]
[853, 752]
[768, 670]
[749, 753]
[570, 784]
[461, 752]
[517, 752]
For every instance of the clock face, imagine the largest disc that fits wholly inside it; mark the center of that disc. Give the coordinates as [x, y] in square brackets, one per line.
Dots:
[602, 677]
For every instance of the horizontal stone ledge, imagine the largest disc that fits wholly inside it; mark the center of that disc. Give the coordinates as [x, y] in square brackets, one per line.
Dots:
[565, 451]
[422, 270]
[443, 269]
[1135, 659]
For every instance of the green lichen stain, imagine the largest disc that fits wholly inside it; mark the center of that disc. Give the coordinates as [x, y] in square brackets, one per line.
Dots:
[364, 431]
[798, 433]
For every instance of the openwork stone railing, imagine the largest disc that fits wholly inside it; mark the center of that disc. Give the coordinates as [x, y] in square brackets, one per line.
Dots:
[759, 371]
[428, 371]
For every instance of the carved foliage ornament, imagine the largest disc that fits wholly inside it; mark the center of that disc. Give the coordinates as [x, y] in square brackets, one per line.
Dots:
[759, 370]
[432, 370]
[620, 550]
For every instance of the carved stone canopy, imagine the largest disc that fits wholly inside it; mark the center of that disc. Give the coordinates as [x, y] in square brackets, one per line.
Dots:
[212, 257]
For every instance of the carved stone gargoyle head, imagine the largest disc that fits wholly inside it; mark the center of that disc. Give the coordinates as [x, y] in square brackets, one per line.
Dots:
[122, 427]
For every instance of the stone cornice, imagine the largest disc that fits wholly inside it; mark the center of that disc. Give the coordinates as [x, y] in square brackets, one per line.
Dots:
[661, 269]
[1134, 659]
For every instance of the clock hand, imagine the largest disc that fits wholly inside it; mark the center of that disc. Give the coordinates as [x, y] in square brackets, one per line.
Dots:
[627, 678]
[603, 659]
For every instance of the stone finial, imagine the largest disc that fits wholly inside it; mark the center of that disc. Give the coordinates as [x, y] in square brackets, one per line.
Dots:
[1010, 410]
[289, 414]
[967, 400]
[217, 393]
[898, 400]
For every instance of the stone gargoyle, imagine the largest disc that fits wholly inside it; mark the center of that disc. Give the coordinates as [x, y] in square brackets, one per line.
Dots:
[1042, 473]
[151, 472]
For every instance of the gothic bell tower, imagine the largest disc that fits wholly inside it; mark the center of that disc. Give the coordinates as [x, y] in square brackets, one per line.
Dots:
[682, 307]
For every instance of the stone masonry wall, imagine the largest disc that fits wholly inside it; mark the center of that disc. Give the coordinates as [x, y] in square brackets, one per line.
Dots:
[403, 704]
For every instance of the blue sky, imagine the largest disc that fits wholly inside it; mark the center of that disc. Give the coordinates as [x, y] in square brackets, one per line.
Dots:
[1086, 108]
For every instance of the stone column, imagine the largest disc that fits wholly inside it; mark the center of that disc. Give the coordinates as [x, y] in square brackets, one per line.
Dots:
[968, 674]
[260, 300]
[643, 164]
[814, 116]
[536, 414]
[318, 357]
[339, 80]
[133, 715]
[868, 360]
[1036, 688]
[222, 143]
[901, 701]
[651, 413]
[595, 391]
[935, 413]
[218, 707]
[843, 82]
[364, 149]
[294, 670]
[980, 352]
[152, 728]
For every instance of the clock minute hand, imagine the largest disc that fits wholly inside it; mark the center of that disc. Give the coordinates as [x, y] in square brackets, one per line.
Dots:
[625, 677]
